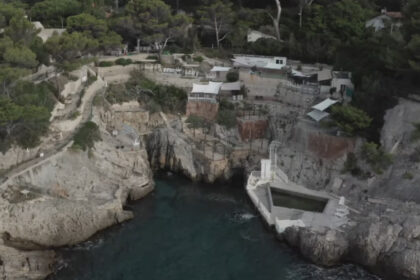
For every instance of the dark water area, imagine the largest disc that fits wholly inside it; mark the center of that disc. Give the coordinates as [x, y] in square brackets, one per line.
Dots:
[185, 231]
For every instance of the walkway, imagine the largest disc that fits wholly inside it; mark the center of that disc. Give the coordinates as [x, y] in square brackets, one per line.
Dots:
[63, 144]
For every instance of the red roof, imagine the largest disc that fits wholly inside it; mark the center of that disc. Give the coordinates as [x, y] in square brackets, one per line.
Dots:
[394, 15]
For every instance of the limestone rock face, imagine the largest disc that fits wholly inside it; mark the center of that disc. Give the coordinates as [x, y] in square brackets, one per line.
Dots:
[169, 149]
[326, 247]
[56, 222]
[398, 125]
[64, 201]
[370, 240]
[402, 179]
[384, 233]
[403, 263]
[29, 265]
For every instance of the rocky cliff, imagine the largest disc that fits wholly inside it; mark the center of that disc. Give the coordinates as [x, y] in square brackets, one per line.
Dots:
[64, 201]
[385, 242]
[383, 233]
[171, 150]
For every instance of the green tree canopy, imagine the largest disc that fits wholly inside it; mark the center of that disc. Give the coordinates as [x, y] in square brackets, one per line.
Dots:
[7, 12]
[87, 23]
[411, 29]
[349, 119]
[110, 41]
[217, 16]
[20, 57]
[87, 135]
[54, 12]
[346, 19]
[68, 47]
[21, 31]
[153, 22]
[8, 75]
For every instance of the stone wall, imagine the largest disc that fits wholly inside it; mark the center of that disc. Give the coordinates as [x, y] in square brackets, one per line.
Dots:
[252, 129]
[321, 143]
[330, 147]
[202, 109]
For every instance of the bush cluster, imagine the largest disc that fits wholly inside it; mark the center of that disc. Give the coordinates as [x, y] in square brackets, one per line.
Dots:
[86, 137]
[232, 76]
[123, 61]
[105, 64]
[378, 159]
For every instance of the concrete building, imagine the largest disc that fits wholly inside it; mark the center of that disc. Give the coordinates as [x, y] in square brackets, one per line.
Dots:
[218, 73]
[231, 90]
[259, 62]
[254, 35]
[208, 92]
[337, 84]
[202, 101]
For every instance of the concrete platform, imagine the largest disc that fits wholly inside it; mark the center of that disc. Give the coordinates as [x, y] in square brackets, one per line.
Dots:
[333, 216]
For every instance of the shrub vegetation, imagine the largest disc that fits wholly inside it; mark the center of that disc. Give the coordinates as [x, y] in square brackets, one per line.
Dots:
[86, 137]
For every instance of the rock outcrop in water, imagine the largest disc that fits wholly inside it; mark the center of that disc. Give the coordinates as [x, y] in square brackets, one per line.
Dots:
[324, 247]
[384, 247]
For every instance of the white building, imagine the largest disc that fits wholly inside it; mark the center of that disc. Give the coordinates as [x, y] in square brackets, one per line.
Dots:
[208, 92]
[254, 35]
[391, 19]
[260, 62]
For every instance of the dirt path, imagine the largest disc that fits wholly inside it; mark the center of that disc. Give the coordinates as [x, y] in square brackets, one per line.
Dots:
[63, 144]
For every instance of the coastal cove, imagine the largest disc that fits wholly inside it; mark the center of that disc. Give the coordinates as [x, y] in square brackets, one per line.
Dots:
[186, 230]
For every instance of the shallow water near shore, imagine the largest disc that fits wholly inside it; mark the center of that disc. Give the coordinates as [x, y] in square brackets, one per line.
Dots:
[190, 231]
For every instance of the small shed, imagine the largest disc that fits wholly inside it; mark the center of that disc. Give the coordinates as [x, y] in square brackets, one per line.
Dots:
[219, 73]
[231, 90]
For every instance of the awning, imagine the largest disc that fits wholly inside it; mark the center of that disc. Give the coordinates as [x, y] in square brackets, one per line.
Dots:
[324, 104]
[318, 115]
[220, 69]
[299, 74]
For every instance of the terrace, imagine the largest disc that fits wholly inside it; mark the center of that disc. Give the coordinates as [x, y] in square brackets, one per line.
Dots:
[283, 203]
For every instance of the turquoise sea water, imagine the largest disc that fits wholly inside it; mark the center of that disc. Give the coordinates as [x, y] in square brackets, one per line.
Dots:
[192, 231]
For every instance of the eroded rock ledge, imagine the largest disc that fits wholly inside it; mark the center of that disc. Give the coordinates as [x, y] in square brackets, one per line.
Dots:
[65, 201]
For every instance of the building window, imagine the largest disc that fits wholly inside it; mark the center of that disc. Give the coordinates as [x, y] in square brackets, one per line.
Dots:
[279, 61]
